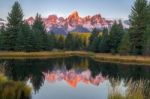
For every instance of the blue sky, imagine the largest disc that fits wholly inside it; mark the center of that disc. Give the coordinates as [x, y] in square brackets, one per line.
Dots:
[107, 8]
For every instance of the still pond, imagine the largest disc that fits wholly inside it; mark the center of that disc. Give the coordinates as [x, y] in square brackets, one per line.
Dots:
[77, 78]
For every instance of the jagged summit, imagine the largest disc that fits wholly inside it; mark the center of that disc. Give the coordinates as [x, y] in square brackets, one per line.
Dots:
[73, 23]
[74, 15]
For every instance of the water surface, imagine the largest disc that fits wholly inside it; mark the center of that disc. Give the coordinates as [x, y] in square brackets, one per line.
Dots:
[77, 78]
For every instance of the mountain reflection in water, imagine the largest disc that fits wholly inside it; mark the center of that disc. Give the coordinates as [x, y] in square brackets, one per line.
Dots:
[85, 78]
[73, 78]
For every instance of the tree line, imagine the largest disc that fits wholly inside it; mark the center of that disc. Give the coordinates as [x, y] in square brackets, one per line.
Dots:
[135, 40]
[19, 36]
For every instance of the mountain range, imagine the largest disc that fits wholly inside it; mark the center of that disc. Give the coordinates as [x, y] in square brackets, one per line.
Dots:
[75, 23]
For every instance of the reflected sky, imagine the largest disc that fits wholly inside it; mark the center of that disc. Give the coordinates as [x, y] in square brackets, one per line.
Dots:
[61, 89]
[73, 84]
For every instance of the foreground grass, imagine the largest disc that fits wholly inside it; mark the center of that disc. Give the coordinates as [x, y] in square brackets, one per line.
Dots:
[95, 56]
[13, 89]
[135, 90]
[135, 95]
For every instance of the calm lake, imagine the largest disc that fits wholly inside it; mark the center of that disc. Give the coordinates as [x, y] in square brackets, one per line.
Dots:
[77, 78]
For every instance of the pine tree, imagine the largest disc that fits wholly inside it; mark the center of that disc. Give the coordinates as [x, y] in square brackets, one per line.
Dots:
[15, 20]
[25, 39]
[115, 36]
[52, 41]
[5, 43]
[73, 42]
[94, 41]
[146, 39]
[2, 31]
[78, 42]
[138, 19]
[103, 46]
[40, 32]
[125, 45]
[61, 42]
[69, 41]
[146, 43]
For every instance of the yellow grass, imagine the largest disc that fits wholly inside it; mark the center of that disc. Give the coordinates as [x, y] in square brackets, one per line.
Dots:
[135, 90]
[13, 89]
[123, 59]
[34, 54]
[95, 56]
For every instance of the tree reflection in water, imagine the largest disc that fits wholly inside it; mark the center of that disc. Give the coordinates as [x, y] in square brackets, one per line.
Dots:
[77, 69]
[10, 89]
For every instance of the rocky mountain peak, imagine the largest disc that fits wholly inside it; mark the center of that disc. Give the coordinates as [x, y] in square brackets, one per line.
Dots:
[74, 15]
[73, 23]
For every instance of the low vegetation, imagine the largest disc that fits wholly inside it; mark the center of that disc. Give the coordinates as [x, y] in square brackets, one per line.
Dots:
[13, 89]
[135, 90]
[96, 56]
[136, 95]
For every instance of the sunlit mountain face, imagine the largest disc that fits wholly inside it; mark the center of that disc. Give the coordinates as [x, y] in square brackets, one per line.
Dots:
[75, 23]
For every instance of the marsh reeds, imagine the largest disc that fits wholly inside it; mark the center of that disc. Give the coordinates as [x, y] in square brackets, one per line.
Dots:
[135, 90]
[13, 89]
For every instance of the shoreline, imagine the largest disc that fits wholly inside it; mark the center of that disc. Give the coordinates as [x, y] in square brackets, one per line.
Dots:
[101, 57]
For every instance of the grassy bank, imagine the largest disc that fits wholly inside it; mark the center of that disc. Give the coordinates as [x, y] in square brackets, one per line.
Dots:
[95, 56]
[139, 60]
[15, 55]
[13, 89]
